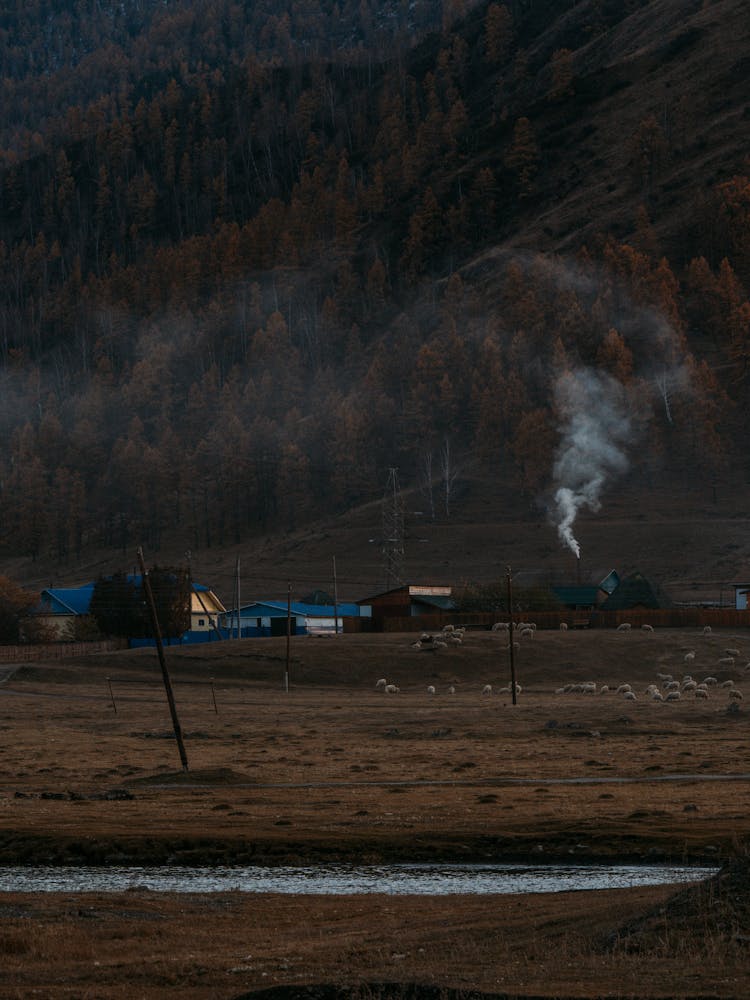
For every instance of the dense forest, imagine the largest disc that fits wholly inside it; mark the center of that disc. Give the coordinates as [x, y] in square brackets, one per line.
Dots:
[251, 259]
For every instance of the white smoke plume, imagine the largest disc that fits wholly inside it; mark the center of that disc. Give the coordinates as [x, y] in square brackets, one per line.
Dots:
[596, 431]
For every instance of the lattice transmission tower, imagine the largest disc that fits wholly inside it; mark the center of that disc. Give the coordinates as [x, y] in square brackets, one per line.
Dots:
[392, 509]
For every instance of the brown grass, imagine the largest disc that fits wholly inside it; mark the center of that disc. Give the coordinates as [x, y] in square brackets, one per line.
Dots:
[335, 769]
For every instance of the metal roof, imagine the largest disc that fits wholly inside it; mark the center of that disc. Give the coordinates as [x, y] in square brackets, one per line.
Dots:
[298, 608]
[571, 596]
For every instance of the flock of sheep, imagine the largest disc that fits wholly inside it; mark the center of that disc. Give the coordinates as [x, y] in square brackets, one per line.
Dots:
[668, 688]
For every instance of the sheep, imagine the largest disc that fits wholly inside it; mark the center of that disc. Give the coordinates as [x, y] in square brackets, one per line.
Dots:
[672, 686]
[589, 687]
[507, 689]
[501, 627]
[417, 644]
[563, 626]
[707, 630]
[664, 677]
[630, 696]
[448, 628]
[689, 657]
[727, 684]
[454, 639]
[624, 627]
[690, 685]
[647, 628]
[527, 633]
[604, 689]
[431, 689]
[451, 690]
[710, 681]
[735, 695]
[391, 689]
[673, 696]
[487, 689]
[623, 689]
[726, 661]
[657, 696]
[701, 693]
[438, 644]
[381, 683]
[732, 652]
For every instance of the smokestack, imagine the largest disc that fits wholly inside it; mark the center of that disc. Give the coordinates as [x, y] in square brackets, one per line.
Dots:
[578, 569]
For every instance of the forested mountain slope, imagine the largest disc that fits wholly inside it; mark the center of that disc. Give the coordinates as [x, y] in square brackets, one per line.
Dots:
[249, 264]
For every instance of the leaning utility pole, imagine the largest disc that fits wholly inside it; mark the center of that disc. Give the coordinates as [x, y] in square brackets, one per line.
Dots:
[160, 650]
[393, 531]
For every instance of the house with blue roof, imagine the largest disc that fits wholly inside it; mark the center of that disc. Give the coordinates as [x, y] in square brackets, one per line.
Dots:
[60, 607]
[587, 597]
[264, 618]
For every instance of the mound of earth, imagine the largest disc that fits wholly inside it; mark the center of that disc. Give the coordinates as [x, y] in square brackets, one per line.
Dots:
[717, 909]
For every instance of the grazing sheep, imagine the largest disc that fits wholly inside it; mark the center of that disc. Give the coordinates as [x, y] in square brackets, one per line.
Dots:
[438, 644]
[657, 696]
[735, 695]
[391, 689]
[454, 639]
[451, 690]
[647, 628]
[624, 627]
[732, 652]
[630, 696]
[672, 686]
[690, 685]
[563, 626]
[664, 677]
[689, 657]
[726, 661]
[431, 689]
[707, 630]
[417, 644]
[701, 693]
[604, 689]
[527, 633]
[381, 683]
[487, 689]
[449, 628]
[673, 696]
[501, 627]
[727, 684]
[624, 689]
[710, 680]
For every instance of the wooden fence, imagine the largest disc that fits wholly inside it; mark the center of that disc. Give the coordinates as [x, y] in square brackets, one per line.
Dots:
[28, 653]
[661, 618]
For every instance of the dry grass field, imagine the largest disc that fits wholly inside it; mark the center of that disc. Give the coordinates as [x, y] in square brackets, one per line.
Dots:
[336, 769]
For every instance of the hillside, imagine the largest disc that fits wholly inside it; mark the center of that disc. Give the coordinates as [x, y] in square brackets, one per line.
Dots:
[509, 258]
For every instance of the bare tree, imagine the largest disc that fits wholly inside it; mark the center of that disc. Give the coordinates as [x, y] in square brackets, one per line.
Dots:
[449, 474]
[426, 482]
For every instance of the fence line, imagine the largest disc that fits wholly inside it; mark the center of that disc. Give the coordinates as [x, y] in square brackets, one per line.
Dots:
[56, 650]
[658, 618]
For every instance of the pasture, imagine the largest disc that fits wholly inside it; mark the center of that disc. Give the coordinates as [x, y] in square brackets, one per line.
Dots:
[335, 769]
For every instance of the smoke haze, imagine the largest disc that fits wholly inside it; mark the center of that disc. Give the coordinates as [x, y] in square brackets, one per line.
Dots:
[596, 431]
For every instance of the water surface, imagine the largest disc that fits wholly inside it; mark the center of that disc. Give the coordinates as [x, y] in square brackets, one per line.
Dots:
[347, 880]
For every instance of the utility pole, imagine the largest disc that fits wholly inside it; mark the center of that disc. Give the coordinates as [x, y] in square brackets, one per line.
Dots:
[393, 531]
[511, 647]
[160, 650]
[288, 634]
[335, 601]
